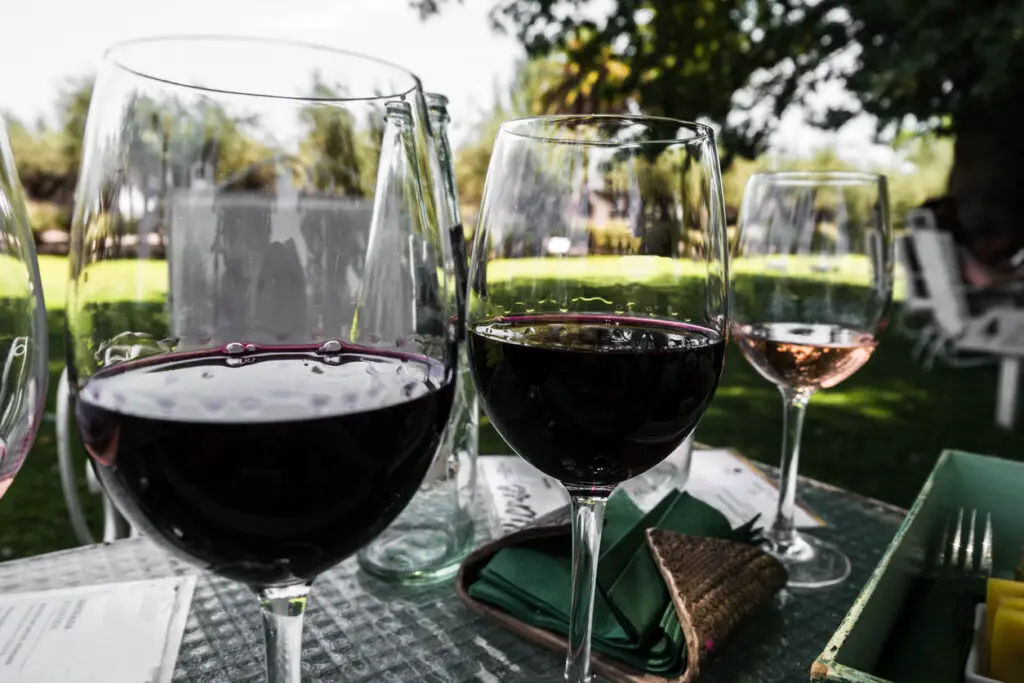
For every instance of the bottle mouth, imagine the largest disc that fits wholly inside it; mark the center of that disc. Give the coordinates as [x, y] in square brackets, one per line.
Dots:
[263, 68]
[436, 99]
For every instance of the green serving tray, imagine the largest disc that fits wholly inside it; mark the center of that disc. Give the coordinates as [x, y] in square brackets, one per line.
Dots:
[987, 484]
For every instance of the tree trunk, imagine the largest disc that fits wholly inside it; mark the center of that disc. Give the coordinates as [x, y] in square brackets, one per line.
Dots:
[987, 178]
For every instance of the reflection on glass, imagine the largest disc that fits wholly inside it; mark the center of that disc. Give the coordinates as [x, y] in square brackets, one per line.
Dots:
[266, 400]
[23, 331]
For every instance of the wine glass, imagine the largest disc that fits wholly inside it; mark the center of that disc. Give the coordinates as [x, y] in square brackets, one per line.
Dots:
[812, 276]
[598, 308]
[23, 332]
[266, 400]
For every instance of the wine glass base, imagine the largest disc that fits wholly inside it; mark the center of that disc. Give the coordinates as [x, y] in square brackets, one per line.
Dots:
[547, 677]
[417, 554]
[812, 562]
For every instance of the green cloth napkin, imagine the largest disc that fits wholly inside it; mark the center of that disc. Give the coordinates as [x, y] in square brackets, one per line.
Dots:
[634, 619]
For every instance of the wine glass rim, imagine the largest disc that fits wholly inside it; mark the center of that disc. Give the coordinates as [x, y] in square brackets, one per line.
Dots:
[113, 55]
[839, 177]
[520, 127]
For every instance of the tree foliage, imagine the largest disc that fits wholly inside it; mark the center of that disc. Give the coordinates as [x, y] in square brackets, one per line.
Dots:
[525, 96]
[914, 64]
[331, 144]
[919, 173]
[168, 139]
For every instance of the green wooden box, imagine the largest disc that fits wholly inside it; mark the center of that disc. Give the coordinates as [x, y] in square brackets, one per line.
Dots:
[959, 479]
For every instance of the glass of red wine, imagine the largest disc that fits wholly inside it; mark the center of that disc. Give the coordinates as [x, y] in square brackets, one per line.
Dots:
[23, 330]
[812, 275]
[598, 308]
[261, 307]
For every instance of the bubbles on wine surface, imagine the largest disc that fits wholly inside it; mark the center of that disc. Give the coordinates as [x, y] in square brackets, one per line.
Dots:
[330, 346]
[588, 333]
[246, 383]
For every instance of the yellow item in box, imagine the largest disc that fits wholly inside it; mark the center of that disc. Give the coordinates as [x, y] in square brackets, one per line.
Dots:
[1006, 663]
[1013, 603]
[997, 590]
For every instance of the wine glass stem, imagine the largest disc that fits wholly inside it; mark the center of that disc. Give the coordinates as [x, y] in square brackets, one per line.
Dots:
[282, 609]
[587, 517]
[794, 405]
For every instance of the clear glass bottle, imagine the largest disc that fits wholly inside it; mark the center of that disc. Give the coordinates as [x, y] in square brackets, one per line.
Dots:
[430, 538]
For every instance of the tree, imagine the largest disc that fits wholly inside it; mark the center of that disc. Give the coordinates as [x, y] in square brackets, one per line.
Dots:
[73, 106]
[917, 65]
[340, 151]
[686, 59]
[41, 166]
[48, 158]
[525, 96]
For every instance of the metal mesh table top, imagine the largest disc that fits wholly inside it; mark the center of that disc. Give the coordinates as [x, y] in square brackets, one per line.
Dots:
[359, 629]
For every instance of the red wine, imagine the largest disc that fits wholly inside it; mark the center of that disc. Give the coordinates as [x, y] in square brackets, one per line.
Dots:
[270, 465]
[801, 356]
[594, 400]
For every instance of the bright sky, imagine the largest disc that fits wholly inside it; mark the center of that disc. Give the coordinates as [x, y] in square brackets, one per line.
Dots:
[455, 53]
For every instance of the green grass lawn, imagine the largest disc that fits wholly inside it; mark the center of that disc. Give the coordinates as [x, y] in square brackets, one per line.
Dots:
[619, 270]
[879, 433]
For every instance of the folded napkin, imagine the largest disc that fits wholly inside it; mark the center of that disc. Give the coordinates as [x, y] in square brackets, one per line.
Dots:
[681, 559]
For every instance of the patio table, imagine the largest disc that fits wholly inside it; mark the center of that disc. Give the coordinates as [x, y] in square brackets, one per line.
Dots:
[359, 629]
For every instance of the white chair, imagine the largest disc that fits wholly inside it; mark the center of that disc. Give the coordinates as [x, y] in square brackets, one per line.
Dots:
[918, 299]
[1004, 337]
[921, 219]
[946, 295]
[998, 331]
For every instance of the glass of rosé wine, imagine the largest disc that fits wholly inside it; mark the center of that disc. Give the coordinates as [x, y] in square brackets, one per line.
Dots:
[811, 284]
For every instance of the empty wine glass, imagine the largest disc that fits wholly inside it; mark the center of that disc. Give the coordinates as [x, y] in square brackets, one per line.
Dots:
[23, 331]
[812, 275]
[597, 308]
[266, 400]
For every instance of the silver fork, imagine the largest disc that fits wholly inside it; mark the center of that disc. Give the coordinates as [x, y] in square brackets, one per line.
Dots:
[963, 551]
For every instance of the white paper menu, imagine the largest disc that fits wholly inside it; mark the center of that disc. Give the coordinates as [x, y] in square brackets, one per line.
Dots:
[739, 490]
[519, 493]
[115, 633]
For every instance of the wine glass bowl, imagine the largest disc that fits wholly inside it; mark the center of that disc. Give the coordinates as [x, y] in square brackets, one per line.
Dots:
[269, 398]
[811, 279]
[24, 334]
[597, 308]
[593, 400]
